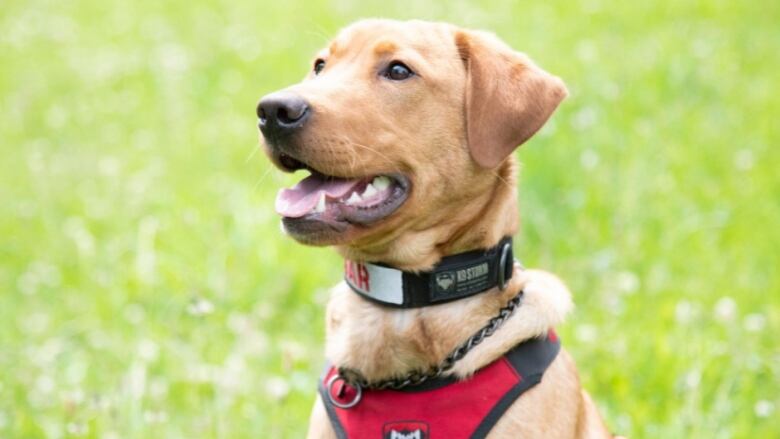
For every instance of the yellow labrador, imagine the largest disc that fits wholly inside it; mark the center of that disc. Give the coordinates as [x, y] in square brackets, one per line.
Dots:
[408, 130]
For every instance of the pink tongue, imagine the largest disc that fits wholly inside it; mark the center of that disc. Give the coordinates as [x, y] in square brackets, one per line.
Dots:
[303, 197]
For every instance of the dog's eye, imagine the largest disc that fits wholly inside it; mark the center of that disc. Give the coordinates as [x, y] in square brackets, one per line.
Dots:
[318, 66]
[397, 71]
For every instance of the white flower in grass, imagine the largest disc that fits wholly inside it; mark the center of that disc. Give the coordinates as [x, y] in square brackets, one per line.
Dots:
[98, 340]
[35, 323]
[200, 373]
[172, 57]
[239, 323]
[109, 166]
[584, 119]
[231, 376]
[75, 371]
[44, 384]
[692, 379]
[293, 351]
[701, 48]
[264, 310]
[277, 387]
[589, 159]
[56, 116]
[73, 397]
[627, 282]
[155, 416]
[586, 333]
[135, 381]
[134, 313]
[615, 304]
[148, 350]
[38, 274]
[158, 388]
[77, 428]
[98, 402]
[744, 160]
[587, 50]
[764, 408]
[754, 322]
[684, 312]
[200, 307]
[725, 309]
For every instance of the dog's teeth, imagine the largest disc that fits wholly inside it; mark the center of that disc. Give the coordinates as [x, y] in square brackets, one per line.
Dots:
[370, 191]
[354, 199]
[381, 183]
[320, 204]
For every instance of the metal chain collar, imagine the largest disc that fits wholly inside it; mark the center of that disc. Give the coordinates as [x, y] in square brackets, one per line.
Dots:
[353, 378]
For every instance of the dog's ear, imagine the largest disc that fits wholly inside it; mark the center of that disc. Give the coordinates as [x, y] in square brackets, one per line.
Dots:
[508, 97]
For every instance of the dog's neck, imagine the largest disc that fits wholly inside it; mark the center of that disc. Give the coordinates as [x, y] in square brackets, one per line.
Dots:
[383, 342]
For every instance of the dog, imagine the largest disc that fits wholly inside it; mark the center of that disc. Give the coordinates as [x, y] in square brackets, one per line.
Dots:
[408, 130]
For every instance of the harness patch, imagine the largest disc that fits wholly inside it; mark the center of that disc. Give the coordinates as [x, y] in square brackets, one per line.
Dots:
[405, 430]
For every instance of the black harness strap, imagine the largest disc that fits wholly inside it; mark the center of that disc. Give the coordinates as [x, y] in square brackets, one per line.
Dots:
[530, 359]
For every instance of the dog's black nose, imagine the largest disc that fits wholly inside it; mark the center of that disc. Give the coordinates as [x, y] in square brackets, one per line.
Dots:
[282, 113]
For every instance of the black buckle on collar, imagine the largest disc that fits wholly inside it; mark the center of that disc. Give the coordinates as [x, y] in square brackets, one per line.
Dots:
[454, 277]
[506, 250]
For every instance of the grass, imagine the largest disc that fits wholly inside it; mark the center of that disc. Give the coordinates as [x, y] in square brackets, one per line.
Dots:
[147, 292]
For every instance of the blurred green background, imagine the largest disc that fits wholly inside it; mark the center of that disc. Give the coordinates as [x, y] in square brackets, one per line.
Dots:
[147, 291]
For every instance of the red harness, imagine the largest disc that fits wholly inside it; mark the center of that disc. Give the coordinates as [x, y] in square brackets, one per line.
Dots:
[444, 409]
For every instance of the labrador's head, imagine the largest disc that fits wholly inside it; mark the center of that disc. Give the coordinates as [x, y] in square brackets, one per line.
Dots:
[402, 125]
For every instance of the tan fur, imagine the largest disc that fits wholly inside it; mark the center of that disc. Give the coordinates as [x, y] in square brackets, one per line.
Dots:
[451, 131]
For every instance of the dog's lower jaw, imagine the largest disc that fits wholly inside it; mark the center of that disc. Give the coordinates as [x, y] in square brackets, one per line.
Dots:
[482, 223]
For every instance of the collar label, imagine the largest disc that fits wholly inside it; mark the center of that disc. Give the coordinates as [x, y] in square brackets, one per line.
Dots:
[380, 283]
[460, 281]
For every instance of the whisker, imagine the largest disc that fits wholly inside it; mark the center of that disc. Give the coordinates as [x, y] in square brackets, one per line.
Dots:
[262, 177]
[375, 151]
[251, 154]
[503, 180]
[318, 32]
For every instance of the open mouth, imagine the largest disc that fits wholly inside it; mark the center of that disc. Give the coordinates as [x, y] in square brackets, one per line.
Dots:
[335, 200]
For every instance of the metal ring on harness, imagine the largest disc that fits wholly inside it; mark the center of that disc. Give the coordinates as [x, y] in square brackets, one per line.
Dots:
[502, 268]
[350, 404]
